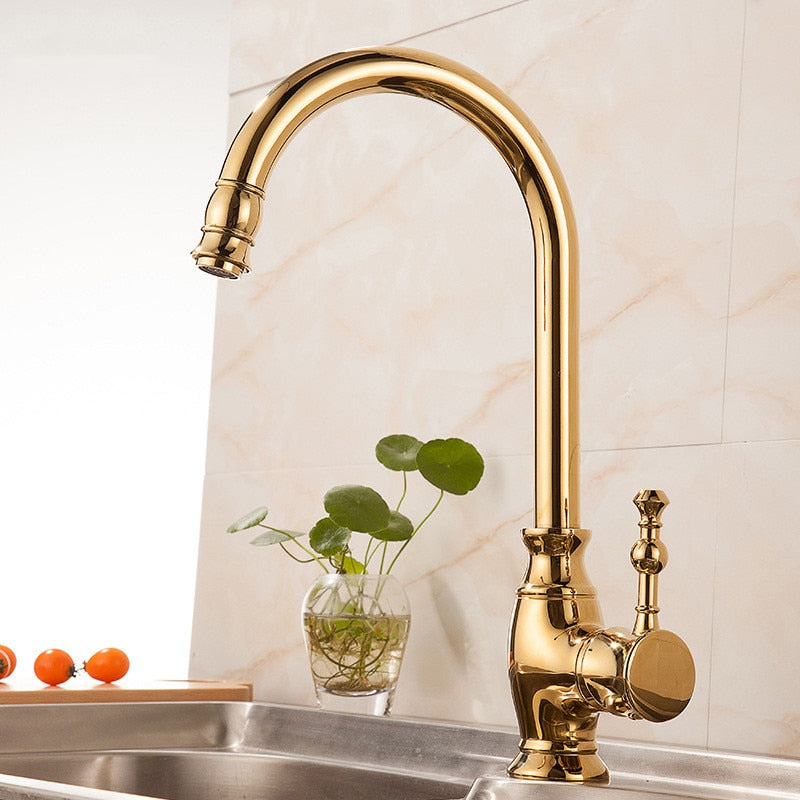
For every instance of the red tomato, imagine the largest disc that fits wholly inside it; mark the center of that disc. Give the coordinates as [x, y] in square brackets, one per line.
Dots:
[8, 661]
[108, 665]
[54, 667]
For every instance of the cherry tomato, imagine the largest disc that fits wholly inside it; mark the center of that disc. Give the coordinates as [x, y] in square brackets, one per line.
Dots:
[108, 665]
[54, 667]
[8, 661]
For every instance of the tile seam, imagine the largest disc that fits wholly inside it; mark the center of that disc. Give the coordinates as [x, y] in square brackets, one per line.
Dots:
[732, 239]
[404, 40]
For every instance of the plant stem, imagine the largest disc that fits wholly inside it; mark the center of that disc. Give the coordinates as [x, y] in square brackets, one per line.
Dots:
[305, 549]
[367, 555]
[396, 508]
[414, 533]
[293, 556]
[383, 556]
[405, 490]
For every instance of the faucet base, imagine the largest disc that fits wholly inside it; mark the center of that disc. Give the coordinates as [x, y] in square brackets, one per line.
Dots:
[570, 767]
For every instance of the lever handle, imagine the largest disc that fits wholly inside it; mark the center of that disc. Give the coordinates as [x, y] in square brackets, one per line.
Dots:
[659, 669]
[650, 674]
[648, 556]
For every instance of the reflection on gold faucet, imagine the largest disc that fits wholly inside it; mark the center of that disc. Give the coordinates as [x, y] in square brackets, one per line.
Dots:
[564, 667]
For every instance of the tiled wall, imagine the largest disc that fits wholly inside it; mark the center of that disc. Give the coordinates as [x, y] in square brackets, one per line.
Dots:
[391, 292]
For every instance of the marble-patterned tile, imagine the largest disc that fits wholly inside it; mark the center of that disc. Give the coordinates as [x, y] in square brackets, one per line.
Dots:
[754, 703]
[394, 309]
[460, 573]
[462, 582]
[639, 102]
[429, 295]
[270, 39]
[762, 392]
[690, 478]
[247, 608]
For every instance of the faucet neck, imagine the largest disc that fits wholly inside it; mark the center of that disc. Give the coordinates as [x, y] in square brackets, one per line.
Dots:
[234, 210]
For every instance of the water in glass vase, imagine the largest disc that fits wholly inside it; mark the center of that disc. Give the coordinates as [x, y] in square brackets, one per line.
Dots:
[355, 659]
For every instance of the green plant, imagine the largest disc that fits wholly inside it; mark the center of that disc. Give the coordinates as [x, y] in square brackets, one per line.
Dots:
[453, 466]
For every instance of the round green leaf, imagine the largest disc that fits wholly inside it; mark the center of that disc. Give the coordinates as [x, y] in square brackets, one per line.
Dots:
[270, 537]
[248, 520]
[398, 452]
[358, 508]
[399, 529]
[453, 465]
[328, 538]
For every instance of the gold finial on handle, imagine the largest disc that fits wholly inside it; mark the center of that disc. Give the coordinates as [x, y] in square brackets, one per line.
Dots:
[651, 504]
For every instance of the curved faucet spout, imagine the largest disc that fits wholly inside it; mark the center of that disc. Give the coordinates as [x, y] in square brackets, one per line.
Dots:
[233, 215]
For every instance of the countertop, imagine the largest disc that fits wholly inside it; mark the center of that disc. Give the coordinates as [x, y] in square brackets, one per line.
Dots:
[124, 691]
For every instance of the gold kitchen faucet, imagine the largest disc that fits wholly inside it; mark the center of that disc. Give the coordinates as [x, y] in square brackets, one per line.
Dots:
[565, 667]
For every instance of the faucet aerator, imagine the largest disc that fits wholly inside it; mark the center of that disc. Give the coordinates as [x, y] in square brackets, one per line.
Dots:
[219, 268]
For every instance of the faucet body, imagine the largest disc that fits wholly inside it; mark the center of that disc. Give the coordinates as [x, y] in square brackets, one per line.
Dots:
[564, 667]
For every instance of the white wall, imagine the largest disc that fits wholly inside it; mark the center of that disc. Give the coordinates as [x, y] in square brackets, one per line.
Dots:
[391, 292]
[113, 123]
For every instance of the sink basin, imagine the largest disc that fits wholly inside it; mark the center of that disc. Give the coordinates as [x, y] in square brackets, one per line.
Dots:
[200, 751]
[259, 751]
[203, 776]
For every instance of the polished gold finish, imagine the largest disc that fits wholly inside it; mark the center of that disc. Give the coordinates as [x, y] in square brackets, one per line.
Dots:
[556, 610]
[564, 667]
[234, 211]
[649, 557]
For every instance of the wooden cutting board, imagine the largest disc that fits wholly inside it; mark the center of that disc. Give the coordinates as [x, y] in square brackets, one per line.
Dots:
[122, 692]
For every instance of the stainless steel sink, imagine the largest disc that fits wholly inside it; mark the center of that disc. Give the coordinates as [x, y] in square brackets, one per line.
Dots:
[199, 751]
[258, 751]
[196, 776]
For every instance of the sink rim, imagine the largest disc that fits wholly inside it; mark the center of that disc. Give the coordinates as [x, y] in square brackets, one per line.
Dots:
[443, 751]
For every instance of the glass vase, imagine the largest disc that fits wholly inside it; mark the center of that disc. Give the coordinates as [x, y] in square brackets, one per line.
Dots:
[356, 628]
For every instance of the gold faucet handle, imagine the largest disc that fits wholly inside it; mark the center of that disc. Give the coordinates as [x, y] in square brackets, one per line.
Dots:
[659, 669]
[649, 557]
[659, 676]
